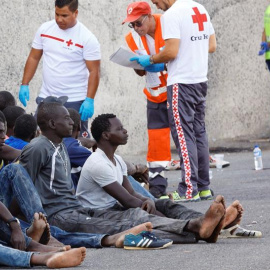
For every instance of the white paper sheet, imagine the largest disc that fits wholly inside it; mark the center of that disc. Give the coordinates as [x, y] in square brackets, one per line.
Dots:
[122, 56]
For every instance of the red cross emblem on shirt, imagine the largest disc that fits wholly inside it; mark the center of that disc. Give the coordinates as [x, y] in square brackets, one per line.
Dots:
[69, 42]
[199, 18]
[85, 134]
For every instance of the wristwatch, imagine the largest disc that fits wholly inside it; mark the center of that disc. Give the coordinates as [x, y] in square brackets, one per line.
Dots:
[151, 60]
[13, 220]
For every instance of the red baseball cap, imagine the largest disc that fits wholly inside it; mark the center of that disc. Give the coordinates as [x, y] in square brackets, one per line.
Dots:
[136, 10]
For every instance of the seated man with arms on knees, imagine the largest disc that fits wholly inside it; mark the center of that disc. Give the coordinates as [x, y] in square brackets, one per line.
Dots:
[107, 190]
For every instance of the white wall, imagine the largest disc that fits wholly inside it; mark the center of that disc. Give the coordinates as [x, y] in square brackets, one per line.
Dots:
[238, 97]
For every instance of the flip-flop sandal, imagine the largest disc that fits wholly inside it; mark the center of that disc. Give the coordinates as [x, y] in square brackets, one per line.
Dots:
[239, 232]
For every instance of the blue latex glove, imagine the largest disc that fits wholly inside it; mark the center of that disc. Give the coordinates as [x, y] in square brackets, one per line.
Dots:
[87, 109]
[24, 94]
[143, 60]
[155, 67]
[264, 48]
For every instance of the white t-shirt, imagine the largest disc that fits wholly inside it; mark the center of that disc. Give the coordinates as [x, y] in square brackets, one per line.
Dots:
[188, 21]
[98, 172]
[64, 54]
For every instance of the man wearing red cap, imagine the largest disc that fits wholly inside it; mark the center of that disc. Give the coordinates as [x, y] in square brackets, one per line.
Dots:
[146, 38]
[189, 36]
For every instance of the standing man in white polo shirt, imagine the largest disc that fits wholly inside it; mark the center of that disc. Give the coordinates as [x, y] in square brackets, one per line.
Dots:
[189, 37]
[71, 62]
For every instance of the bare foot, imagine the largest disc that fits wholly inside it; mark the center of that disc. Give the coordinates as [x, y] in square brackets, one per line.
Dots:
[233, 214]
[39, 229]
[54, 242]
[212, 217]
[119, 238]
[69, 258]
[205, 226]
[37, 247]
[213, 238]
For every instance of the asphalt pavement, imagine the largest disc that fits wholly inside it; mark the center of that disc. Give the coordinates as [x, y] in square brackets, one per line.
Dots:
[238, 181]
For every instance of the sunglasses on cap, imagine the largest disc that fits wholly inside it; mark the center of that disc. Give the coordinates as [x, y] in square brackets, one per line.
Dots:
[138, 24]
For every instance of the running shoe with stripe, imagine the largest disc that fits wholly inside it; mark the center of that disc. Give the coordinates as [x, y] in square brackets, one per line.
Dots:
[145, 240]
[178, 198]
[206, 194]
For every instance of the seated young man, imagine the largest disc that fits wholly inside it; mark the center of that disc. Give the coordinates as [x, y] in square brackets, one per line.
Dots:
[23, 251]
[103, 183]
[12, 113]
[25, 130]
[46, 160]
[78, 154]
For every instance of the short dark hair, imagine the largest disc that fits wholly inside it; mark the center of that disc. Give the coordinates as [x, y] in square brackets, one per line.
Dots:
[46, 112]
[12, 113]
[25, 126]
[76, 118]
[72, 4]
[100, 124]
[6, 99]
[2, 118]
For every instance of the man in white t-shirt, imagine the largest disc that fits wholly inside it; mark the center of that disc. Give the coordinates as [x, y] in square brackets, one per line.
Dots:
[189, 37]
[71, 62]
[104, 188]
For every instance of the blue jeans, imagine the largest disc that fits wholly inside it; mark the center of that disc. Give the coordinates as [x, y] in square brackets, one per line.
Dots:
[16, 183]
[14, 258]
[139, 189]
[75, 239]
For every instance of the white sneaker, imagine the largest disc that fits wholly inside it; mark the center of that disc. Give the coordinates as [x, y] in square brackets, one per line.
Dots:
[173, 165]
[212, 162]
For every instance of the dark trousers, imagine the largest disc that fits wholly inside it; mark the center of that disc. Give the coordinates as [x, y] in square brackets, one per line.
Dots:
[186, 110]
[117, 219]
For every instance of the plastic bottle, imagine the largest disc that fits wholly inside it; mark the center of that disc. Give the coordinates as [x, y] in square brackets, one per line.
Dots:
[257, 152]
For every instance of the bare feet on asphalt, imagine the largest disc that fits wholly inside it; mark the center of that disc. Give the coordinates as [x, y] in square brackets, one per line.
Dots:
[69, 258]
[233, 214]
[207, 227]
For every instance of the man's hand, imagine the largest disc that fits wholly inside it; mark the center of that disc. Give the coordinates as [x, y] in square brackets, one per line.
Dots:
[141, 173]
[17, 239]
[155, 67]
[24, 94]
[143, 60]
[264, 48]
[87, 109]
[149, 206]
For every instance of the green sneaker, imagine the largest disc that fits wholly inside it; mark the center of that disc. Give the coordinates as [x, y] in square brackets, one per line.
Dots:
[178, 198]
[164, 197]
[206, 195]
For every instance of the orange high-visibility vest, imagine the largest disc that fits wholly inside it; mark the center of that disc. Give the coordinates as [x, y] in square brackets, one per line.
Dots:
[135, 42]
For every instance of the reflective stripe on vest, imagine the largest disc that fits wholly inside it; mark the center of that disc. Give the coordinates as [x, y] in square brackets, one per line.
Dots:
[156, 92]
[135, 42]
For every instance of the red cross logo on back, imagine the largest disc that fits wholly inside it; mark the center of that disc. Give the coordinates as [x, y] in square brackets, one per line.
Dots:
[69, 42]
[199, 18]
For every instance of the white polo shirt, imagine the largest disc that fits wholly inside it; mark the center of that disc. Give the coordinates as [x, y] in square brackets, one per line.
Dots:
[64, 54]
[188, 21]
